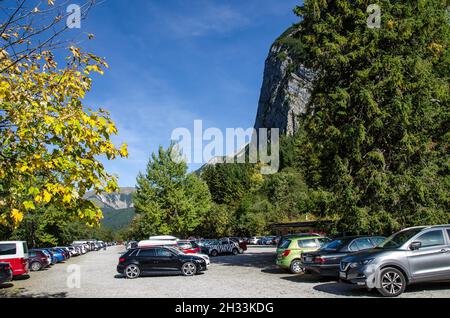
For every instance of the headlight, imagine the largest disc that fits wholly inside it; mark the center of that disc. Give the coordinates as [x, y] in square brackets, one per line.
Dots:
[361, 263]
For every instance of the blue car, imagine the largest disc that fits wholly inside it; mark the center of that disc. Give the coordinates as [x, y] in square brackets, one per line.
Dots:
[57, 256]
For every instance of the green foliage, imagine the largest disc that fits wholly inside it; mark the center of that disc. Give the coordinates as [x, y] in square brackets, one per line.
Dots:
[377, 124]
[116, 219]
[218, 222]
[51, 227]
[228, 183]
[168, 199]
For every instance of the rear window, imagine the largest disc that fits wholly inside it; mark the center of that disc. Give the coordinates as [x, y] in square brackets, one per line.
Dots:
[25, 247]
[310, 243]
[285, 244]
[8, 249]
[334, 245]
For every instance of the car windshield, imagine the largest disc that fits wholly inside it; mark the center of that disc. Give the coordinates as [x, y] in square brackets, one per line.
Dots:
[335, 245]
[175, 250]
[398, 239]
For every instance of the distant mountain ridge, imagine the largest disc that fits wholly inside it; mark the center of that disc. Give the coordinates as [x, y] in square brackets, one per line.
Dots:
[118, 209]
[118, 200]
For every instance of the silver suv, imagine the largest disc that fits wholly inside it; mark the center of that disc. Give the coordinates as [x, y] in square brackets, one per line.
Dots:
[413, 255]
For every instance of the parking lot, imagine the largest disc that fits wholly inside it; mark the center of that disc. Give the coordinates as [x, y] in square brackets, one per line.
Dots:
[252, 274]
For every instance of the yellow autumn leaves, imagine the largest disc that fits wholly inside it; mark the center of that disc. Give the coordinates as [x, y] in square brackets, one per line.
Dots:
[50, 141]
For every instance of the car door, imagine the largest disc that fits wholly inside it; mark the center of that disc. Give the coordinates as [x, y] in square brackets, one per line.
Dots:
[447, 269]
[147, 259]
[431, 261]
[225, 246]
[166, 260]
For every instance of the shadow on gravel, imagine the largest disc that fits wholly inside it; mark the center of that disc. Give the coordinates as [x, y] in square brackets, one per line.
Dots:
[307, 278]
[423, 287]
[23, 294]
[21, 277]
[248, 259]
[341, 289]
[157, 274]
[5, 286]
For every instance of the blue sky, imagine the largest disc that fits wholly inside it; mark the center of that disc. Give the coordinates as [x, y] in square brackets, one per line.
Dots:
[175, 61]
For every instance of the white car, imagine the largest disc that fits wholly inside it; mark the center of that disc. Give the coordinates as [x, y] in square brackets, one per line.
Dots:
[255, 240]
[205, 257]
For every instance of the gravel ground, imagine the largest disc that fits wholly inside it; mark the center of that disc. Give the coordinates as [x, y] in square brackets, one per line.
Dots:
[249, 275]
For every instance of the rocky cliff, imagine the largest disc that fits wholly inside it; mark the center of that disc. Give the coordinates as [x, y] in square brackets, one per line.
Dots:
[116, 201]
[286, 87]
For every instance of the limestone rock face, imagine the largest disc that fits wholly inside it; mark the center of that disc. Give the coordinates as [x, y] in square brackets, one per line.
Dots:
[285, 91]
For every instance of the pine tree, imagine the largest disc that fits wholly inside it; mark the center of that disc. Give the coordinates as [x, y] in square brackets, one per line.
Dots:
[378, 122]
[168, 199]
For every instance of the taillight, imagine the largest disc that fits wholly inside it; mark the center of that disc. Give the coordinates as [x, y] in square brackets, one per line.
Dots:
[121, 260]
[24, 261]
[286, 253]
[319, 260]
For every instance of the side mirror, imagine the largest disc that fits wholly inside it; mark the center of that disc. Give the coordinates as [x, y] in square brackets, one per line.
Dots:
[415, 246]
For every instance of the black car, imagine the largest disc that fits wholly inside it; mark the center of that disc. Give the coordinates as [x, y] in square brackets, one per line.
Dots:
[159, 259]
[326, 260]
[6, 273]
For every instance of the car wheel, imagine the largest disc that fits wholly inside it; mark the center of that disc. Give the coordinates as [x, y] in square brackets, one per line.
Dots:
[214, 253]
[235, 251]
[36, 266]
[393, 282]
[189, 269]
[296, 267]
[132, 271]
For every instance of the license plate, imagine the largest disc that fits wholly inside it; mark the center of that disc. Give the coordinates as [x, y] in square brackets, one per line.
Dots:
[308, 259]
[343, 275]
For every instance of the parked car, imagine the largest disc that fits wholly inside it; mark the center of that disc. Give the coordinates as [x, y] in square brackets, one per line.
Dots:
[6, 273]
[413, 255]
[241, 242]
[223, 246]
[65, 251]
[57, 254]
[15, 253]
[132, 244]
[49, 257]
[74, 251]
[189, 247]
[289, 253]
[281, 239]
[255, 240]
[38, 260]
[136, 262]
[82, 247]
[53, 258]
[325, 262]
[268, 240]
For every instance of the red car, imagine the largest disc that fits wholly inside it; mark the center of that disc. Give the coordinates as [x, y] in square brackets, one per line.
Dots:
[241, 242]
[15, 253]
[189, 247]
